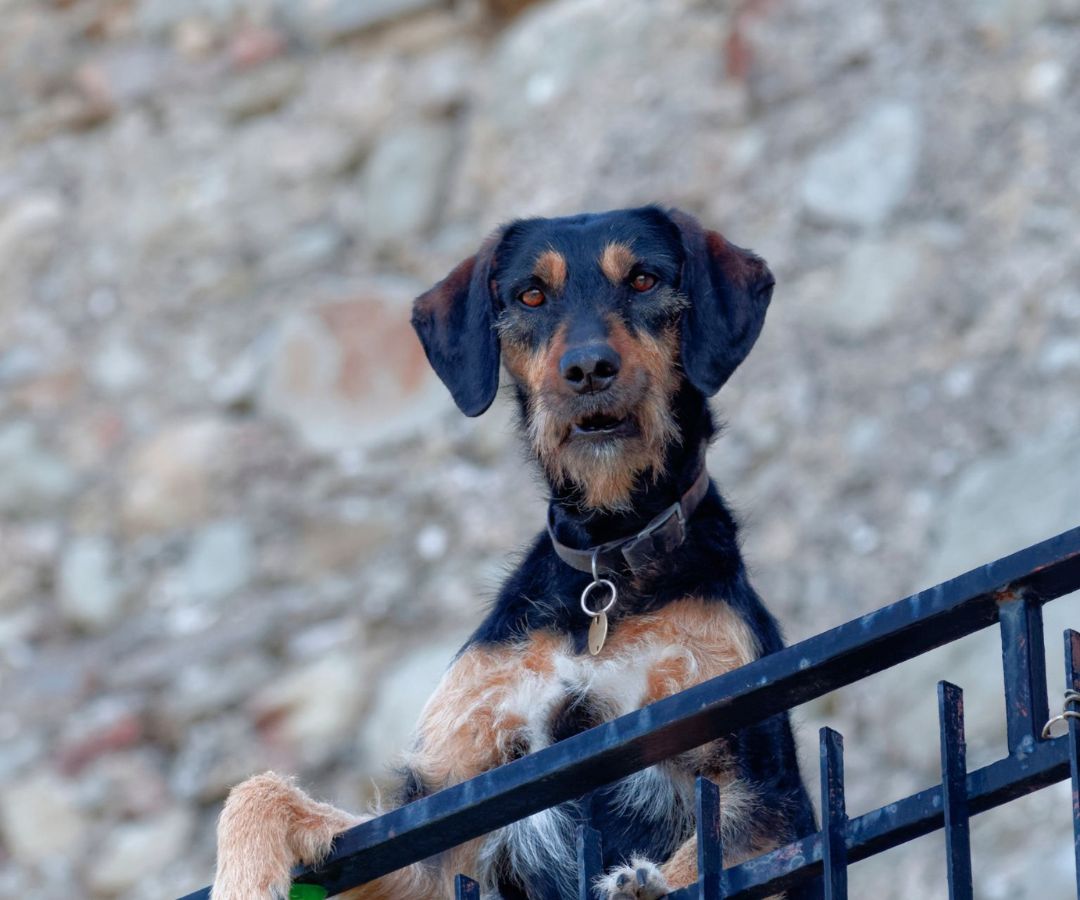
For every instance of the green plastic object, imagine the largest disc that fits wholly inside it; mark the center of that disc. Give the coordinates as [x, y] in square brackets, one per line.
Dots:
[307, 892]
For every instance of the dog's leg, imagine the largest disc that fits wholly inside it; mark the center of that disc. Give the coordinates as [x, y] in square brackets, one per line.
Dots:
[269, 825]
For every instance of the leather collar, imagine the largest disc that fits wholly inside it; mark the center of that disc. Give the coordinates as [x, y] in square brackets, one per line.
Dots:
[664, 533]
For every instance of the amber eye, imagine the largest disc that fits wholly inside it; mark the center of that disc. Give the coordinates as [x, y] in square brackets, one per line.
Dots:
[531, 297]
[643, 282]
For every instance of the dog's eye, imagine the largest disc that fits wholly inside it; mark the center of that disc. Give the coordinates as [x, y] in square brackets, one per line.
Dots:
[643, 282]
[531, 297]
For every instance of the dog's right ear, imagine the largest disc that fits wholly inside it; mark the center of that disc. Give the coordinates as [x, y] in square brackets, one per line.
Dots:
[729, 290]
[455, 323]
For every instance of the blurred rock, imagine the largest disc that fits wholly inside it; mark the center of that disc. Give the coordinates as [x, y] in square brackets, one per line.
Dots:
[782, 58]
[36, 481]
[329, 545]
[1064, 10]
[400, 696]
[204, 689]
[1005, 502]
[168, 479]
[335, 20]
[102, 727]
[860, 177]
[315, 151]
[237, 387]
[19, 364]
[1007, 18]
[1060, 355]
[118, 367]
[877, 278]
[123, 75]
[134, 851]
[125, 782]
[91, 593]
[315, 708]
[592, 96]
[310, 248]
[29, 225]
[38, 814]
[253, 45]
[507, 8]
[216, 755]
[439, 83]
[402, 181]
[352, 373]
[220, 560]
[261, 92]
[27, 554]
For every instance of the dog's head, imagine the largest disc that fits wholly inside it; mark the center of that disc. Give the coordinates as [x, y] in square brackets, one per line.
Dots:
[599, 320]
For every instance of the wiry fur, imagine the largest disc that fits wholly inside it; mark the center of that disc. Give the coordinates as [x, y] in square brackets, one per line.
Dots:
[617, 260]
[543, 842]
[604, 475]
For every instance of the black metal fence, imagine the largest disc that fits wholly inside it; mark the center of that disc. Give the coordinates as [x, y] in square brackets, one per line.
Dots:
[1009, 592]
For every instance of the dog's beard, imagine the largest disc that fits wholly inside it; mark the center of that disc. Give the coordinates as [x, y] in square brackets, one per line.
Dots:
[605, 471]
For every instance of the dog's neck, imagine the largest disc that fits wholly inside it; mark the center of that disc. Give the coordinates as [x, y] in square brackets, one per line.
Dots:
[581, 527]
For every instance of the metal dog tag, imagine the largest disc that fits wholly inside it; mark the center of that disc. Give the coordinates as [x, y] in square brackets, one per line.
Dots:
[597, 633]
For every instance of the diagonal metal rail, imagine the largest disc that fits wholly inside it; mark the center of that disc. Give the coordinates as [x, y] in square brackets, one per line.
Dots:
[1011, 590]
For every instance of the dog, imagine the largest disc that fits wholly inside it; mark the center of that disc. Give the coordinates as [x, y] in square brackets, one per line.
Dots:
[614, 328]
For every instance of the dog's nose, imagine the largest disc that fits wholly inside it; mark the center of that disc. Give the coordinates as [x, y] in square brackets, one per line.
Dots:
[590, 367]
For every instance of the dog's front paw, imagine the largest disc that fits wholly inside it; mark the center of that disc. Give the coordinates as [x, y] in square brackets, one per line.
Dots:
[267, 826]
[255, 854]
[640, 880]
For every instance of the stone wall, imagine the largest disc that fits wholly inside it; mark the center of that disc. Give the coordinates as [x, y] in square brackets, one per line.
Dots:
[241, 526]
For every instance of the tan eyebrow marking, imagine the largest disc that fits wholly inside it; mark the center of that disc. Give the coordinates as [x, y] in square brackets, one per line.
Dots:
[550, 268]
[616, 262]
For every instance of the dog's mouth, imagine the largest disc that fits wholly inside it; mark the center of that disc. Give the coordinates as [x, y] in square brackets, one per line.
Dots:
[603, 425]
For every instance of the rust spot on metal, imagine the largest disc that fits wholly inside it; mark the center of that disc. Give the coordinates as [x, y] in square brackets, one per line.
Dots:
[1008, 595]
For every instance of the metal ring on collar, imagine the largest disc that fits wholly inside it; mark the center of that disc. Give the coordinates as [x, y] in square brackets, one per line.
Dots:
[600, 582]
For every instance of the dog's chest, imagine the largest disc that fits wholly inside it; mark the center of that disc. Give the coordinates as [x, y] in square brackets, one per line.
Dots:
[646, 658]
[501, 701]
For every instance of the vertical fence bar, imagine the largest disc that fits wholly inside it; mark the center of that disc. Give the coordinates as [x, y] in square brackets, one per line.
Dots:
[954, 790]
[833, 815]
[1072, 682]
[710, 847]
[590, 859]
[1023, 658]
[465, 888]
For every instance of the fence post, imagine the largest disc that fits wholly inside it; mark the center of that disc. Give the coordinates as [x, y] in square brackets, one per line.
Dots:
[1023, 658]
[710, 847]
[1072, 683]
[833, 815]
[465, 888]
[954, 791]
[590, 858]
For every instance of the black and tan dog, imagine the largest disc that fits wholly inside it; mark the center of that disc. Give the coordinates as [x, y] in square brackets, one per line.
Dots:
[614, 328]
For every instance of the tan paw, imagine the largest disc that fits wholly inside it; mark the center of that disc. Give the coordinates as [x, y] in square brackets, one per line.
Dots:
[268, 825]
[640, 880]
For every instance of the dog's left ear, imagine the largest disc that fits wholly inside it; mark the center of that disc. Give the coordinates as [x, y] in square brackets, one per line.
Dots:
[729, 290]
[454, 321]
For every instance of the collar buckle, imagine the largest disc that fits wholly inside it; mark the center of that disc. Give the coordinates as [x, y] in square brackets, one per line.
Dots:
[662, 535]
